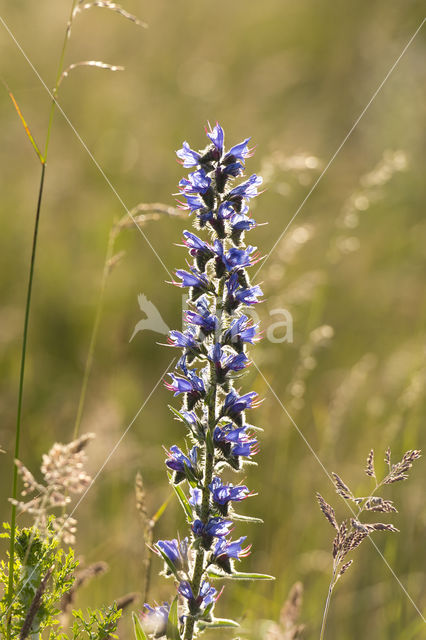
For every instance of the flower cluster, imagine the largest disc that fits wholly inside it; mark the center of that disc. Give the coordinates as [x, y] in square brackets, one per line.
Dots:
[213, 346]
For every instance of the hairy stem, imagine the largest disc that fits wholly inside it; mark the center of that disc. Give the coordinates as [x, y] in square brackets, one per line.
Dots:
[208, 470]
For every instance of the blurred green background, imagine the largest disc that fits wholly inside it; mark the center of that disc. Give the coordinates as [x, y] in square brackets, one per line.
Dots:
[295, 76]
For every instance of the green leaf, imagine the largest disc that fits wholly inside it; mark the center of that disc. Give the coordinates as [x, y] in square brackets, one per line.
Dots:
[137, 627]
[178, 414]
[183, 501]
[157, 515]
[172, 632]
[238, 516]
[218, 623]
[213, 573]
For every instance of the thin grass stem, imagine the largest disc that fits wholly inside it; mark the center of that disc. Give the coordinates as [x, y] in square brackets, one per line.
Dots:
[20, 398]
[43, 160]
[327, 602]
[95, 329]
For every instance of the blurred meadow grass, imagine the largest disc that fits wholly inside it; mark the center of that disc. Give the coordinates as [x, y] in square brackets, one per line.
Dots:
[350, 270]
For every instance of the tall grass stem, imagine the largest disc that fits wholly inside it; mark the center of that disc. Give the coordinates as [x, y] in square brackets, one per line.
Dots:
[20, 397]
[43, 160]
[95, 329]
[327, 603]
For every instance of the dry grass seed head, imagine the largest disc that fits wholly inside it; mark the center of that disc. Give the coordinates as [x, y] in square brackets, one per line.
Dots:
[399, 470]
[369, 470]
[328, 511]
[341, 488]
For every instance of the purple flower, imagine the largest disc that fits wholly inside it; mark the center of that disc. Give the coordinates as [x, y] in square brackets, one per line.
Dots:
[217, 136]
[198, 249]
[224, 362]
[234, 169]
[225, 210]
[241, 222]
[235, 362]
[215, 353]
[224, 493]
[203, 318]
[247, 189]
[240, 331]
[176, 551]
[177, 461]
[207, 594]
[239, 258]
[185, 590]
[234, 404]
[238, 294]
[194, 385]
[194, 279]
[238, 152]
[196, 496]
[214, 528]
[195, 244]
[185, 340]
[188, 157]
[249, 295]
[154, 620]
[235, 441]
[197, 182]
[226, 550]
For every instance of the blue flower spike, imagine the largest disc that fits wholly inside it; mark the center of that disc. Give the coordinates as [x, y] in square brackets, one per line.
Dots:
[214, 345]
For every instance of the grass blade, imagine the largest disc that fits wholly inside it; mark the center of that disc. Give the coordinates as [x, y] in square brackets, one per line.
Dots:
[172, 632]
[137, 627]
[24, 124]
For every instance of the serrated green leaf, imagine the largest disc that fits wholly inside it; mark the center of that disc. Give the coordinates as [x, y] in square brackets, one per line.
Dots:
[238, 516]
[238, 575]
[218, 623]
[137, 627]
[183, 501]
[172, 632]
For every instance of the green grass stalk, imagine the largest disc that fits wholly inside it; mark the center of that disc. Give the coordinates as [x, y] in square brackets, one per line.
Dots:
[20, 397]
[95, 329]
[43, 160]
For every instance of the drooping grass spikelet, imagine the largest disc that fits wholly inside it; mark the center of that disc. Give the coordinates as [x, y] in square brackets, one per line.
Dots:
[352, 532]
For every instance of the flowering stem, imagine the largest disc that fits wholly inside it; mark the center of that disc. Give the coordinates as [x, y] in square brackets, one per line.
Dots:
[208, 468]
[214, 344]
